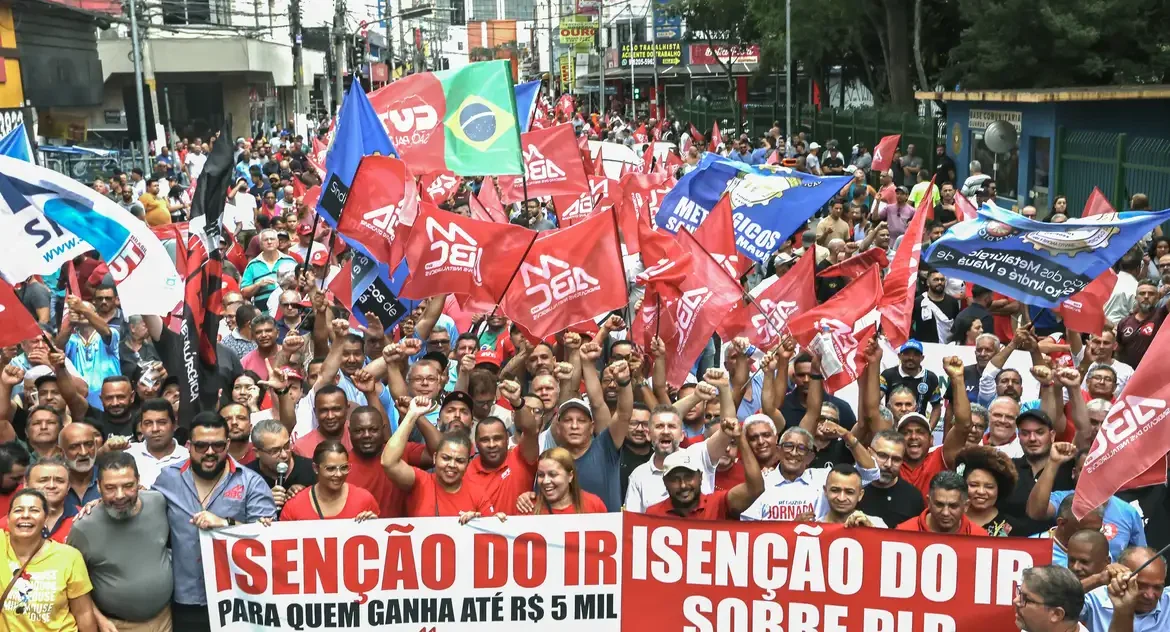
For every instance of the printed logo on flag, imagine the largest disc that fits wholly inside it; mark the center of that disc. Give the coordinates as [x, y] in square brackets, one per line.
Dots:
[419, 120]
[458, 250]
[442, 186]
[689, 306]
[778, 313]
[728, 263]
[384, 219]
[1127, 420]
[541, 169]
[479, 123]
[580, 209]
[569, 282]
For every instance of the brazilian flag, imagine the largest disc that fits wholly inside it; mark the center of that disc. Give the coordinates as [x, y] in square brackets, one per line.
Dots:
[463, 121]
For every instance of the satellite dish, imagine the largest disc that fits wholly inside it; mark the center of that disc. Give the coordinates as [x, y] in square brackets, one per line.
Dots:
[1000, 137]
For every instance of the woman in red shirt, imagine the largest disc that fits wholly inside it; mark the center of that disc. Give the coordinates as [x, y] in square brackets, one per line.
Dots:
[331, 498]
[558, 491]
[442, 492]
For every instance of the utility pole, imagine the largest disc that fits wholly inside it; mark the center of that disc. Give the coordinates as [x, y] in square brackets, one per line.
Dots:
[657, 109]
[138, 84]
[298, 68]
[327, 89]
[601, 33]
[171, 137]
[633, 104]
[339, 42]
[788, 72]
[551, 92]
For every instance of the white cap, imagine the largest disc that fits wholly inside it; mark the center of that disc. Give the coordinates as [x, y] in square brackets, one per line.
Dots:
[681, 459]
[813, 145]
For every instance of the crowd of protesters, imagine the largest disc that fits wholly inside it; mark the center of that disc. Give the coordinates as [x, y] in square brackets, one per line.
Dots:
[104, 485]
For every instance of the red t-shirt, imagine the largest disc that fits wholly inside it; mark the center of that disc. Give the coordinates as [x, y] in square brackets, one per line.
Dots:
[710, 507]
[367, 473]
[428, 499]
[1003, 324]
[6, 502]
[306, 444]
[504, 484]
[590, 503]
[966, 527]
[729, 478]
[921, 476]
[357, 500]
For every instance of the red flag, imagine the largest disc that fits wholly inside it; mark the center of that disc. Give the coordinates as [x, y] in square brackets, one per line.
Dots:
[1131, 446]
[568, 277]
[773, 158]
[235, 252]
[381, 207]
[311, 196]
[74, 282]
[440, 185]
[850, 319]
[298, 188]
[779, 298]
[855, 265]
[638, 197]
[573, 210]
[446, 253]
[552, 164]
[489, 199]
[717, 235]
[964, 209]
[673, 162]
[883, 154]
[648, 158]
[16, 323]
[695, 135]
[1097, 204]
[716, 138]
[640, 134]
[897, 304]
[342, 284]
[1085, 310]
[687, 323]
[666, 263]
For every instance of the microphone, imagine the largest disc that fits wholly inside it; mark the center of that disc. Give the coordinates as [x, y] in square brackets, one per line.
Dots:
[281, 471]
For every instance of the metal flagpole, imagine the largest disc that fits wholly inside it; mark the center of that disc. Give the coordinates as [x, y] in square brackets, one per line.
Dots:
[138, 87]
[788, 71]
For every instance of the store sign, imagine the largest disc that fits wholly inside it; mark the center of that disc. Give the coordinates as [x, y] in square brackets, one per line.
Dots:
[667, 27]
[704, 54]
[9, 119]
[981, 119]
[662, 54]
[588, 7]
[577, 30]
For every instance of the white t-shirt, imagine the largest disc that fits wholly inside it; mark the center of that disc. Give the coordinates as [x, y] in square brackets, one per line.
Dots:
[303, 252]
[646, 487]
[243, 212]
[195, 164]
[785, 500]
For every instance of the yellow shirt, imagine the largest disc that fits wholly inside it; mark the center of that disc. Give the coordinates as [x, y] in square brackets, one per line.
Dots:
[158, 212]
[39, 601]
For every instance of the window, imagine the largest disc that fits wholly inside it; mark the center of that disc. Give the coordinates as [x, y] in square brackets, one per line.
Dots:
[1005, 168]
[216, 12]
[483, 9]
[519, 9]
[458, 13]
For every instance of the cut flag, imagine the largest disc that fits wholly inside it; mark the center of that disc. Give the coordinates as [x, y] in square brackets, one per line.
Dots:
[717, 235]
[1131, 446]
[569, 276]
[552, 165]
[897, 305]
[847, 322]
[1085, 310]
[883, 153]
[463, 121]
[854, 266]
[381, 208]
[1097, 204]
[778, 300]
[16, 323]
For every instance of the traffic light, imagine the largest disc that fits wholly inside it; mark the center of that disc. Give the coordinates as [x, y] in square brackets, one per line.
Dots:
[637, 93]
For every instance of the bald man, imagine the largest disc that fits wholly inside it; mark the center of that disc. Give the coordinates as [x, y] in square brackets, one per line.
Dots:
[1144, 605]
[1088, 559]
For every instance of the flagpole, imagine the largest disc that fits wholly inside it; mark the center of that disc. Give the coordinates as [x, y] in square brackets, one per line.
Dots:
[514, 273]
[747, 295]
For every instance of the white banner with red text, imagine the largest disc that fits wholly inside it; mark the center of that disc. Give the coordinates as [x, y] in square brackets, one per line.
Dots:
[573, 572]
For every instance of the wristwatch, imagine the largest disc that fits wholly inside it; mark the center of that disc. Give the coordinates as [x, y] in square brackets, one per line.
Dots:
[816, 376]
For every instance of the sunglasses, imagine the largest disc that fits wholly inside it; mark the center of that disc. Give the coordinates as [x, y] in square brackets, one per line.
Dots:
[214, 446]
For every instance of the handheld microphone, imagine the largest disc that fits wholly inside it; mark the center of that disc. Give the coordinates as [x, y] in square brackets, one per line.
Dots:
[281, 471]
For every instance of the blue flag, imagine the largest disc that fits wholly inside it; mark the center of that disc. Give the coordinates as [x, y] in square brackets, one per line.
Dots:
[359, 133]
[15, 144]
[768, 203]
[526, 94]
[1037, 263]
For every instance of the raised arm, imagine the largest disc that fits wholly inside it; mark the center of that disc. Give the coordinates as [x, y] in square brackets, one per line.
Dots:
[956, 437]
[1039, 505]
[816, 397]
[430, 317]
[399, 472]
[86, 311]
[9, 377]
[1070, 379]
[590, 352]
[625, 404]
[661, 390]
[743, 495]
[719, 379]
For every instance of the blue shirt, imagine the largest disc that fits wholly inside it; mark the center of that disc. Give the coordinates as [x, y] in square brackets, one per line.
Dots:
[1098, 613]
[357, 397]
[95, 360]
[749, 408]
[73, 503]
[599, 472]
[1122, 524]
[242, 495]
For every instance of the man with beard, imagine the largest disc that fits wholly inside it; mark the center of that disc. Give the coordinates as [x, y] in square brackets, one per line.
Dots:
[207, 492]
[118, 400]
[921, 465]
[14, 462]
[843, 491]
[79, 444]
[684, 477]
[273, 448]
[239, 423]
[890, 498]
[266, 335]
[158, 448]
[367, 430]
[934, 311]
[1133, 602]
[455, 414]
[1034, 428]
[646, 485]
[946, 508]
[124, 545]
[636, 450]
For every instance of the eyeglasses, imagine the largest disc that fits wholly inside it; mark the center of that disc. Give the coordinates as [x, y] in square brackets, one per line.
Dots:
[277, 450]
[442, 342]
[1100, 378]
[335, 469]
[1019, 597]
[424, 379]
[795, 448]
[214, 446]
[828, 418]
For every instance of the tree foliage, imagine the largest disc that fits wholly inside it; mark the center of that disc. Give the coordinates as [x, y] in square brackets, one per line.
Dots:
[714, 22]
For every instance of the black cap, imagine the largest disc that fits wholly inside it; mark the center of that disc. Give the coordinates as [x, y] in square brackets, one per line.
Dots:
[438, 356]
[458, 396]
[1035, 414]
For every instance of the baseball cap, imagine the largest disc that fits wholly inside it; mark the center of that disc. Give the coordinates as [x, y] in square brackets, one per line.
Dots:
[1035, 414]
[282, 233]
[813, 145]
[783, 259]
[901, 189]
[578, 403]
[910, 345]
[488, 356]
[319, 258]
[681, 459]
[912, 418]
[439, 357]
[304, 229]
[458, 396]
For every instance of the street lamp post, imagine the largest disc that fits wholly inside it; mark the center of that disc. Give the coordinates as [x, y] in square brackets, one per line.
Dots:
[788, 70]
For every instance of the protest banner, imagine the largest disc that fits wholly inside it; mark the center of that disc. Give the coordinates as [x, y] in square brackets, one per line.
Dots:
[804, 577]
[529, 573]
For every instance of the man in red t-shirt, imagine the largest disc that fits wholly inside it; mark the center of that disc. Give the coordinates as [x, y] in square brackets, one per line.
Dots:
[505, 473]
[367, 431]
[946, 508]
[683, 478]
[922, 464]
